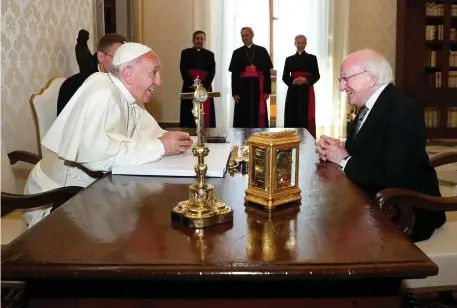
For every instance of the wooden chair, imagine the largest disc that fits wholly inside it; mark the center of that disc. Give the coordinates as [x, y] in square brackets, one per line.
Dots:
[441, 248]
[44, 107]
[13, 292]
[14, 201]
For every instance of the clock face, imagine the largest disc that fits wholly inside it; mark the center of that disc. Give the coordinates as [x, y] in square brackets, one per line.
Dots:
[201, 95]
[283, 168]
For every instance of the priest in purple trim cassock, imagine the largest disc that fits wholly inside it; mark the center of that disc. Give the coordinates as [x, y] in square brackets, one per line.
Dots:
[301, 72]
[197, 62]
[251, 82]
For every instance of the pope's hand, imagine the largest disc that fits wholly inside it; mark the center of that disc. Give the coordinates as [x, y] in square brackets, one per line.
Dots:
[175, 142]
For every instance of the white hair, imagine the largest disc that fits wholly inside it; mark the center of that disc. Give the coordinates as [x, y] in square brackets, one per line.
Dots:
[118, 69]
[377, 65]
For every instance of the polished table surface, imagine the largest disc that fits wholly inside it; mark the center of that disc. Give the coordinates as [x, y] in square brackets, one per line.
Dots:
[120, 227]
[114, 245]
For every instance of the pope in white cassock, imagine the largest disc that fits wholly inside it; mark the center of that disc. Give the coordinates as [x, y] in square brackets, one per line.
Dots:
[105, 124]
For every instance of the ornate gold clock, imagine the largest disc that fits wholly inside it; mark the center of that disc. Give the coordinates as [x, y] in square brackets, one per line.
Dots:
[273, 169]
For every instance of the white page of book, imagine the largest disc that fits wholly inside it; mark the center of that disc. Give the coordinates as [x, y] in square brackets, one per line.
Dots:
[183, 164]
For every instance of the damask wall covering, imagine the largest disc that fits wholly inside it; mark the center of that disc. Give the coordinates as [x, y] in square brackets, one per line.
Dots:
[37, 43]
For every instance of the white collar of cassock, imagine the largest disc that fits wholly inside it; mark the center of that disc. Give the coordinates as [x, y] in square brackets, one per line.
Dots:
[130, 99]
[249, 46]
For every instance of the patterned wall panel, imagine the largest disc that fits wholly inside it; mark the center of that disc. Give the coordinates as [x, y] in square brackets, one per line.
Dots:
[373, 24]
[37, 43]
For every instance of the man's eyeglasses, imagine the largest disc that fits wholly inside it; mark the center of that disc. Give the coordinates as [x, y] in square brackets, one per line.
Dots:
[107, 53]
[346, 79]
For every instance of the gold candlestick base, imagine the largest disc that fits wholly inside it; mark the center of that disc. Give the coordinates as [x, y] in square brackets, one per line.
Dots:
[202, 209]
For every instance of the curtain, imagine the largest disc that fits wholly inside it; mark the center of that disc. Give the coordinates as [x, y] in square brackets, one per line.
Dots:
[325, 32]
[226, 20]
[338, 50]
[312, 21]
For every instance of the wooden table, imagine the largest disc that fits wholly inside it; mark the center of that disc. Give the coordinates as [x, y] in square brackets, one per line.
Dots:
[115, 240]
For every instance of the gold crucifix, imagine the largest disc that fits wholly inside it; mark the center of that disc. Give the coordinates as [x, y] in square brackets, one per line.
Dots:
[202, 209]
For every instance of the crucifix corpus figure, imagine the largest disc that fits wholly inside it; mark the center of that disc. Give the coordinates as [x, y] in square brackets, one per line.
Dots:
[199, 96]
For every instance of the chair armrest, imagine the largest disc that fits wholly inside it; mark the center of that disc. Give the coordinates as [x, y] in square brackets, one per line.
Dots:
[398, 204]
[443, 159]
[56, 197]
[27, 157]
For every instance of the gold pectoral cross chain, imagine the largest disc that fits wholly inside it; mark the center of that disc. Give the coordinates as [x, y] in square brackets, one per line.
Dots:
[251, 60]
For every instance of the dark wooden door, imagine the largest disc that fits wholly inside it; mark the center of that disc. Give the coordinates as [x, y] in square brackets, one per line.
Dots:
[110, 16]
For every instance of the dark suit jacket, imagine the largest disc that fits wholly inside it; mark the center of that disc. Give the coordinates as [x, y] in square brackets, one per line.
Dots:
[72, 84]
[389, 152]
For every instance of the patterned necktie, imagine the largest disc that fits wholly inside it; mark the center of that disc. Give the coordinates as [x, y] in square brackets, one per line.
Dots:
[363, 111]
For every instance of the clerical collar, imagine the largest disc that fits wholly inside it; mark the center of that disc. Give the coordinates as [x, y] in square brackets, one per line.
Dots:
[130, 99]
[301, 52]
[249, 46]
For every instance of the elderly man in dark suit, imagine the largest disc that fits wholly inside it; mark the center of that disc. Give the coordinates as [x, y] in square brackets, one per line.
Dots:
[385, 147]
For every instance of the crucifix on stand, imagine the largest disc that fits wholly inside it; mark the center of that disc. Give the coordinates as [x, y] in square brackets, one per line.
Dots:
[202, 209]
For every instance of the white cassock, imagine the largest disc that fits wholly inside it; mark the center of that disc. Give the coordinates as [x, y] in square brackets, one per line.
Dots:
[102, 126]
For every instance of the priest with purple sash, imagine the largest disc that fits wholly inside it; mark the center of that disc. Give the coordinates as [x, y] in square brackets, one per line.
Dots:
[301, 72]
[197, 62]
[251, 83]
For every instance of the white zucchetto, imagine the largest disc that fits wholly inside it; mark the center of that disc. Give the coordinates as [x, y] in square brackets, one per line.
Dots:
[129, 51]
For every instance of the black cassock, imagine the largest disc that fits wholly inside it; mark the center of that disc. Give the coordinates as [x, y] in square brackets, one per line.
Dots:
[300, 99]
[251, 79]
[195, 63]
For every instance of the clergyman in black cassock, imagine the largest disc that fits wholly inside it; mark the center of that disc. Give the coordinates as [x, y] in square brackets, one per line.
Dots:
[301, 72]
[197, 62]
[251, 82]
